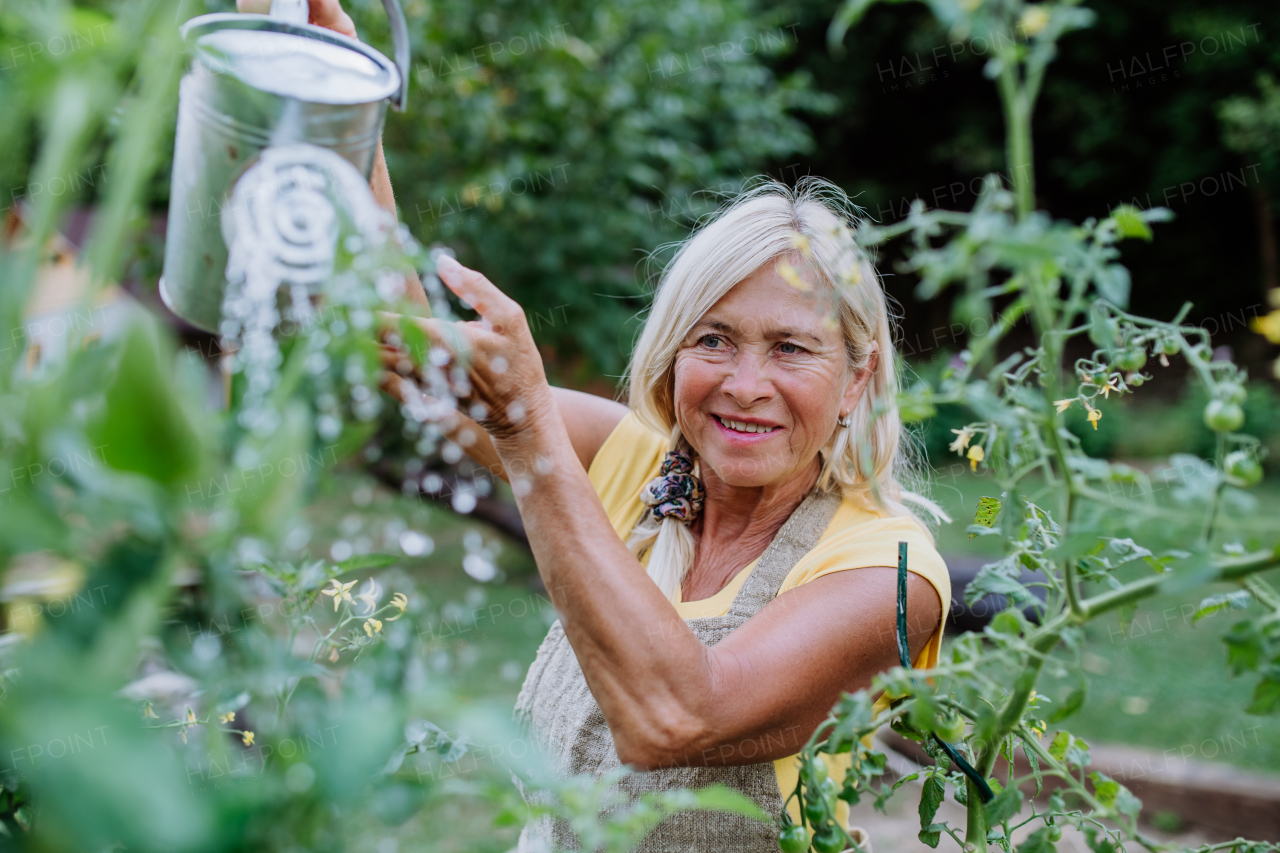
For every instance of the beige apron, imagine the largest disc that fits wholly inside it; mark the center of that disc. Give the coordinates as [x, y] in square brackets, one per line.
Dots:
[557, 707]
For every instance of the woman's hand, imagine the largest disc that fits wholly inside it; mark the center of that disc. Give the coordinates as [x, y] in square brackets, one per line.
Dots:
[324, 13]
[504, 369]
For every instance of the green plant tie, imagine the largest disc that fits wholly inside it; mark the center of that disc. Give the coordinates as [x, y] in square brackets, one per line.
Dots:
[904, 657]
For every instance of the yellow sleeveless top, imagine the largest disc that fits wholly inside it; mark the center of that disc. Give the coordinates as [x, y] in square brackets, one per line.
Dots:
[856, 538]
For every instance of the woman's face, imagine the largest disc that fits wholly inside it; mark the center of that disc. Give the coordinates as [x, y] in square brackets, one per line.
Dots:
[761, 379]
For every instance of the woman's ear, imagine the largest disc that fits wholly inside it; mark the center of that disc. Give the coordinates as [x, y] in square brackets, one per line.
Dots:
[858, 381]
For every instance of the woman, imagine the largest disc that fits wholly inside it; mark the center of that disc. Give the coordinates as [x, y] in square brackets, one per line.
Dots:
[699, 543]
[721, 549]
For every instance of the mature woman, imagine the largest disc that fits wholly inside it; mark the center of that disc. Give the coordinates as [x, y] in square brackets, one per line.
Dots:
[720, 550]
[700, 543]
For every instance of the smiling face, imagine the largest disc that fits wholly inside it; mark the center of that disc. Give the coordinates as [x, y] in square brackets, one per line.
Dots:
[761, 379]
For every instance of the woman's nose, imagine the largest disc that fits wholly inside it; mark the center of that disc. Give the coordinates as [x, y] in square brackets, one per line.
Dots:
[749, 381]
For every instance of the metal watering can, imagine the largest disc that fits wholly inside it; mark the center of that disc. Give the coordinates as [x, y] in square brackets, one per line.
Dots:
[259, 82]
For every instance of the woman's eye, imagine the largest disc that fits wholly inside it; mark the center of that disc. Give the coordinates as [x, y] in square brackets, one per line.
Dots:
[710, 341]
[790, 349]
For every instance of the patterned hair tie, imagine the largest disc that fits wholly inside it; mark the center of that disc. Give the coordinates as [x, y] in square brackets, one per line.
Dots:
[675, 491]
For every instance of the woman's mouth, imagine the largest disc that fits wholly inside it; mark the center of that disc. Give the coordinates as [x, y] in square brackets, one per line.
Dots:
[743, 429]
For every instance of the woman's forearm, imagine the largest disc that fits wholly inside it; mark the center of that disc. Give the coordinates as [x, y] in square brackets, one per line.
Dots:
[646, 668]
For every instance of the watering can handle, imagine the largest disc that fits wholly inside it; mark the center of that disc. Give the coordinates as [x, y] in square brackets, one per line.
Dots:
[297, 12]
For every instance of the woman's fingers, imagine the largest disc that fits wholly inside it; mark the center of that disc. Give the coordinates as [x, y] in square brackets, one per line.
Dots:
[323, 13]
[329, 14]
[478, 293]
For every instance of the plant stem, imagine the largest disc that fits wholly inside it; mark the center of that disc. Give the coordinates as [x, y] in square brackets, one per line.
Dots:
[975, 830]
[1018, 150]
[1219, 452]
[1232, 568]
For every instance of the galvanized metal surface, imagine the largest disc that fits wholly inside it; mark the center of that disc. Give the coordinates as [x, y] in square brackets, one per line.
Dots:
[256, 81]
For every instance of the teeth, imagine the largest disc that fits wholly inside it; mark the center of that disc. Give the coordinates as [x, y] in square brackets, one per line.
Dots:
[739, 426]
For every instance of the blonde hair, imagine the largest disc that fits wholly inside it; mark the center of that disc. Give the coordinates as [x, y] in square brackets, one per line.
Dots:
[764, 224]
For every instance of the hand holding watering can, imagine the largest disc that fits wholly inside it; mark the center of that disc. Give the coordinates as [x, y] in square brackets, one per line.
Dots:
[322, 13]
[292, 81]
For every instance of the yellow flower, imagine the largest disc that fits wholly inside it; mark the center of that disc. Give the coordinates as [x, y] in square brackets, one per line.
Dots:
[963, 437]
[147, 711]
[976, 455]
[401, 601]
[1268, 326]
[227, 717]
[340, 591]
[1034, 19]
[1063, 405]
[1108, 388]
[801, 242]
[247, 737]
[1095, 415]
[333, 654]
[370, 595]
[191, 717]
[184, 734]
[372, 626]
[792, 277]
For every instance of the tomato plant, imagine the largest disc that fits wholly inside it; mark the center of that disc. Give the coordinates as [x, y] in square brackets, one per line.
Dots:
[1054, 514]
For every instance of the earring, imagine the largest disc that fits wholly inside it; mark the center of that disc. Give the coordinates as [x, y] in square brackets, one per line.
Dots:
[845, 421]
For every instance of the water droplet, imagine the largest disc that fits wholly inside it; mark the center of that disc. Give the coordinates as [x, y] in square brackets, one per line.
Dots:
[206, 647]
[463, 501]
[479, 567]
[416, 544]
[299, 778]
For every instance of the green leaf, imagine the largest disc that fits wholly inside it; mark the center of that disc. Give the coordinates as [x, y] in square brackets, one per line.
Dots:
[1058, 748]
[1237, 600]
[1266, 697]
[366, 561]
[1003, 806]
[1129, 222]
[1035, 767]
[1244, 647]
[935, 791]
[1038, 842]
[988, 508]
[932, 834]
[721, 798]
[1114, 795]
[1113, 284]
[1074, 702]
[143, 428]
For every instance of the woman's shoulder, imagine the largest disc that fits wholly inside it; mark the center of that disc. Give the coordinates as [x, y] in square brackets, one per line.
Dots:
[858, 537]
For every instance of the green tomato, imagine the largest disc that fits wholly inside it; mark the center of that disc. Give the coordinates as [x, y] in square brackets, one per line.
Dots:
[815, 810]
[1242, 468]
[1131, 360]
[1234, 393]
[1223, 416]
[828, 839]
[1053, 833]
[817, 769]
[1169, 346]
[793, 839]
[950, 728]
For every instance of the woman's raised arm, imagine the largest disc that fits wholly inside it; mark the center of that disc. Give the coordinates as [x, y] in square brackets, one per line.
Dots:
[588, 419]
